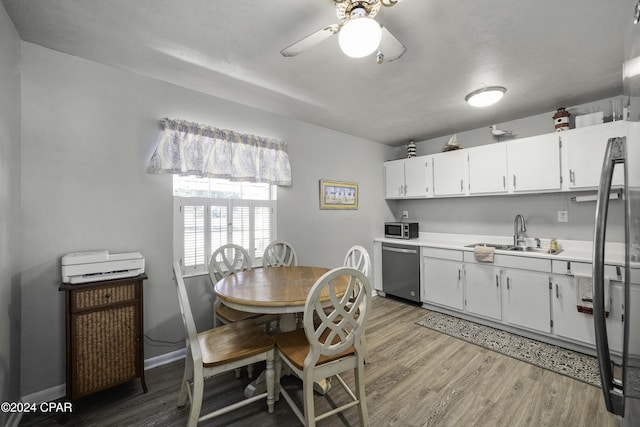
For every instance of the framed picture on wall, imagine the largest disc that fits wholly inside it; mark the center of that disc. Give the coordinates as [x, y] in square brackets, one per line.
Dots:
[338, 195]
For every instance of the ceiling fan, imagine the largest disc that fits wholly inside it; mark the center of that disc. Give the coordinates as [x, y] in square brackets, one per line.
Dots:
[360, 35]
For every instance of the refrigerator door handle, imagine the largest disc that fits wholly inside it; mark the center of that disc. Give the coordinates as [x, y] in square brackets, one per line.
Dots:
[612, 388]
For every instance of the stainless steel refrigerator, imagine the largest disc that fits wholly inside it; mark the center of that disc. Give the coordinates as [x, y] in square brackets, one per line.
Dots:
[620, 373]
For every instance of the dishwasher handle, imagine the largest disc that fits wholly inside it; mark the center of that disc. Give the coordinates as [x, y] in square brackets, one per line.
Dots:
[399, 250]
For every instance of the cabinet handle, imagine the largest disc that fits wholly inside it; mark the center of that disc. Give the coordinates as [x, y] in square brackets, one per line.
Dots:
[572, 176]
[427, 189]
[508, 283]
[557, 292]
[514, 181]
[497, 281]
[504, 182]
[461, 185]
[459, 274]
[107, 296]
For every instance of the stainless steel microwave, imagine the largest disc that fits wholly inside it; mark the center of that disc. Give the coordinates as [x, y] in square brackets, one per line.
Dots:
[401, 230]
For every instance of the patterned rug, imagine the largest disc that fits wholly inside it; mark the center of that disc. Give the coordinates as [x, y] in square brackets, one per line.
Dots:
[557, 359]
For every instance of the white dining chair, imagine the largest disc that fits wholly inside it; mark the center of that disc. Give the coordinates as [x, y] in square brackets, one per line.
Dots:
[329, 347]
[226, 260]
[219, 350]
[358, 258]
[279, 254]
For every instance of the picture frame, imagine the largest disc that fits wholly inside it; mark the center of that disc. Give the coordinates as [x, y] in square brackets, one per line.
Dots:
[338, 195]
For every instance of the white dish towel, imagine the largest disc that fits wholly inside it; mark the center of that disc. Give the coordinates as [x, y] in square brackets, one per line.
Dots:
[584, 293]
[484, 253]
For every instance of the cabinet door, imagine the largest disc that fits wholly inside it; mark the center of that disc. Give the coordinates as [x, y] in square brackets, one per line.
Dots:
[615, 320]
[482, 286]
[394, 179]
[418, 174]
[449, 173]
[527, 300]
[534, 163]
[568, 322]
[488, 169]
[585, 154]
[442, 283]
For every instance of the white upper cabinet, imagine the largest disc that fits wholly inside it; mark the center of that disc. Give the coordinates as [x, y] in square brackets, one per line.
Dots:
[394, 179]
[585, 149]
[560, 161]
[418, 173]
[487, 169]
[449, 173]
[409, 178]
[534, 164]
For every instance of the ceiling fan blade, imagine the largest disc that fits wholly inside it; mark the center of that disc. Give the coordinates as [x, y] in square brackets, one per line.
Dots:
[310, 40]
[390, 46]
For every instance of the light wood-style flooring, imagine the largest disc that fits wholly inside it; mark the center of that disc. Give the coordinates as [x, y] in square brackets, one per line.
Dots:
[415, 377]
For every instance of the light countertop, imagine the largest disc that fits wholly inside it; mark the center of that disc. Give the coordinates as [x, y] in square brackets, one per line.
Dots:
[572, 250]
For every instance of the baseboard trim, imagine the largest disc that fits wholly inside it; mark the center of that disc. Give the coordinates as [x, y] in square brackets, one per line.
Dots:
[46, 395]
[164, 359]
[14, 419]
[59, 391]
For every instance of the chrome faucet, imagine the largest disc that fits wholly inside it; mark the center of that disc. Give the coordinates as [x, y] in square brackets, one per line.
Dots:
[518, 227]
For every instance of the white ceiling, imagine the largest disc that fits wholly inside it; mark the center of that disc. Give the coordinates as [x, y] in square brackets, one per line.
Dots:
[547, 53]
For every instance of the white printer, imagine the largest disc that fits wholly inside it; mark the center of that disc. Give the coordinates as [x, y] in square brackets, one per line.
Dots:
[83, 267]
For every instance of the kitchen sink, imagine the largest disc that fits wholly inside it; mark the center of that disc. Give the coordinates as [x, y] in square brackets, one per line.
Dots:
[537, 250]
[498, 246]
[503, 247]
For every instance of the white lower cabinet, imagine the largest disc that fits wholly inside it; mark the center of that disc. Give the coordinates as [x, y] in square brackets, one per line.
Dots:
[442, 283]
[482, 287]
[526, 300]
[568, 322]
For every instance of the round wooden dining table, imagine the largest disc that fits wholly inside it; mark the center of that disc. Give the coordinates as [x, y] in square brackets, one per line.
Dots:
[273, 290]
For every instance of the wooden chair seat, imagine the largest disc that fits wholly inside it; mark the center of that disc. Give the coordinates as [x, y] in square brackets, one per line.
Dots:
[295, 347]
[230, 315]
[235, 341]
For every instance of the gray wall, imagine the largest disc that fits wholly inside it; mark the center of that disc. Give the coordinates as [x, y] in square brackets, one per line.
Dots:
[88, 131]
[10, 246]
[494, 215]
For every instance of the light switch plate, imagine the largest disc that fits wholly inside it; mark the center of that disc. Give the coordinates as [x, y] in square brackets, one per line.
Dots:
[405, 214]
[563, 216]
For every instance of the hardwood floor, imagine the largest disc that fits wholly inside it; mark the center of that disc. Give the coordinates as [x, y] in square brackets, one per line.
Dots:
[415, 377]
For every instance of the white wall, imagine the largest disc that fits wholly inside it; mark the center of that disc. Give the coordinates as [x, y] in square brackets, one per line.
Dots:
[88, 131]
[9, 211]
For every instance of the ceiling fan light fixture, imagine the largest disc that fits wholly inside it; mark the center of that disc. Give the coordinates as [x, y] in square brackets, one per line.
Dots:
[485, 96]
[360, 37]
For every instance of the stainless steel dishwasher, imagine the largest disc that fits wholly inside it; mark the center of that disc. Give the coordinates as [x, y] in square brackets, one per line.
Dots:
[401, 271]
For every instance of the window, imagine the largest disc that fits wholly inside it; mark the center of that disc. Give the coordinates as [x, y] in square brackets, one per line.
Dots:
[209, 213]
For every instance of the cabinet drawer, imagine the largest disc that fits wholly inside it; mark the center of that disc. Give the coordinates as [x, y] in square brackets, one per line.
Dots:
[523, 263]
[103, 296]
[452, 255]
[584, 269]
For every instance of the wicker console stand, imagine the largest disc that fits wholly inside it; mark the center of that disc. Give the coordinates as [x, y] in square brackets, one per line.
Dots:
[104, 335]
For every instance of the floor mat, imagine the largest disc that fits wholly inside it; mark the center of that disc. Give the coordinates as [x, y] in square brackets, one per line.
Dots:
[576, 365]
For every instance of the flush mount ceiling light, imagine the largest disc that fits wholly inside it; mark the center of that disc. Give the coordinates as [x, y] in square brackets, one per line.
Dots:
[360, 36]
[485, 96]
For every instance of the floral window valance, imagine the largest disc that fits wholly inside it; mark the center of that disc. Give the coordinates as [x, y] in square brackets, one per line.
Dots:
[188, 148]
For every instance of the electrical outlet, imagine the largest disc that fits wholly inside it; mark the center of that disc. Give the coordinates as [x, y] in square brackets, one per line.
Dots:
[405, 214]
[563, 216]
